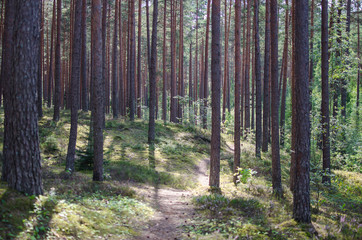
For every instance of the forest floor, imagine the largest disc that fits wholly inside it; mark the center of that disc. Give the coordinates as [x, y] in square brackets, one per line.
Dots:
[161, 191]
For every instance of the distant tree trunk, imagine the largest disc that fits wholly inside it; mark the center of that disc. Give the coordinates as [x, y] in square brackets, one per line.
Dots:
[181, 63]
[76, 57]
[266, 104]
[6, 76]
[139, 77]
[225, 62]
[300, 122]
[22, 154]
[336, 83]
[173, 116]
[237, 87]
[325, 92]
[196, 80]
[206, 73]
[359, 63]
[285, 73]
[83, 71]
[115, 64]
[121, 92]
[132, 62]
[50, 72]
[57, 73]
[214, 180]
[41, 57]
[247, 70]
[190, 85]
[152, 69]
[98, 108]
[164, 73]
[276, 170]
[258, 89]
[344, 80]
[148, 33]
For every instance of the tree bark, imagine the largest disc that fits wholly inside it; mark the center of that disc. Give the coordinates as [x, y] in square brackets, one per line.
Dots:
[214, 180]
[266, 104]
[206, 73]
[98, 108]
[258, 133]
[50, 72]
[6, 75]
[76, 57]
[164, 73]
[57, 73]
[325, 93]
[247, 71]
[132, 62]
[83, 75]
[139, 77]
[237, 87]
[152, 69]
[115, 64]
[300, 122]
[173, 106]
[41, 57]
[22, 154]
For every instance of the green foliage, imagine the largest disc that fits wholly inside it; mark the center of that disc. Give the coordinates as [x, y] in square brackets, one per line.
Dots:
[244, 175]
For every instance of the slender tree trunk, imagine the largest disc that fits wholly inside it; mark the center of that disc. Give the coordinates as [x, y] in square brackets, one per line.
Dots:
[152, 69]
[247, 70]
[214, 180]
[285, 72]
[181, 63]
[359, 62]
[237, 87]
[115, 107]
[344, 80]
[121, 93]
[105, 76]
[76, 57]
[206, 77]
[173, 116]
[139, 78]
[266, 104]
[50, 73]
[57, 73]
[132, 62]
[190, 85]
[164, 73]
[84, 59]
[98, 95]
[276, 170]
[300, 122]
[258, 133]
[325, 92]
[225, 62]
[196, 80]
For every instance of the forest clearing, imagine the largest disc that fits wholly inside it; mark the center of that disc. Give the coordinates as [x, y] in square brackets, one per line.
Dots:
[180, 119]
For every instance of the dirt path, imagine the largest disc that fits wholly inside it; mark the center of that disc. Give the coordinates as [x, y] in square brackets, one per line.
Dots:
[173, 208]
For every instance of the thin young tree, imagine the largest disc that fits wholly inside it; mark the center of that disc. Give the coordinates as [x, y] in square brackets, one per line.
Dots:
[247, 70]
[115, 64]
[164, 73]
[300, 120]
[311, 44]
[152, 69]
[237, 86]
[58, 69]
[83, 70]
[132, 61]
[266, 104]
[325, 92]
[75, 76]
[41, 65]
[214, 180]
[258, 133]
[344, 80]
[51, 54]
[276, 170]
[139, 76]
[206, 73]
[22, 154]
[173, 106]
[98, 108]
